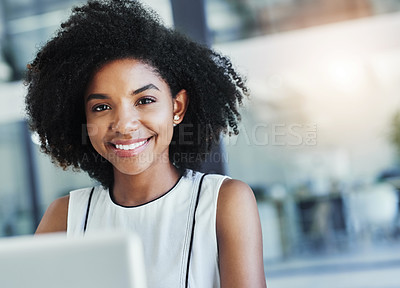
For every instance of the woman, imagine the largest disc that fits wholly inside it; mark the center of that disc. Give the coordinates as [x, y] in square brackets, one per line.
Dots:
[138, 106]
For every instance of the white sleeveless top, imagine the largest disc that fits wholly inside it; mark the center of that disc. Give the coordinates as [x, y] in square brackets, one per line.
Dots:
[164, 226]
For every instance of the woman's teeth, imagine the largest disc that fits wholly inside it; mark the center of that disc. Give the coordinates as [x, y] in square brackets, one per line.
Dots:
[131, 146]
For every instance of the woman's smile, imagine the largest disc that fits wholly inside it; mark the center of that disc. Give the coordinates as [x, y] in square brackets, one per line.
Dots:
[129, 148]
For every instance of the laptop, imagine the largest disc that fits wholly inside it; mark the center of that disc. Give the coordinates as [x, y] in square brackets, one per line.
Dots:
[101, 260]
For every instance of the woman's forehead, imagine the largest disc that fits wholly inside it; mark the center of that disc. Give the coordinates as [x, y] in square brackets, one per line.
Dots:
[126, 72]
[135, 70]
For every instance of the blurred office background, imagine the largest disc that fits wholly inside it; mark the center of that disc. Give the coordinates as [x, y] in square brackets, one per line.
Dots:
[319, 141]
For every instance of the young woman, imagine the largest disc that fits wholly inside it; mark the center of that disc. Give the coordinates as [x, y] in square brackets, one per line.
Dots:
[137, 106]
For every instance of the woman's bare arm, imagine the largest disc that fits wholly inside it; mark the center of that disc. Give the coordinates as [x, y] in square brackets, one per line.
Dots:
[239, 237]
[55, 217]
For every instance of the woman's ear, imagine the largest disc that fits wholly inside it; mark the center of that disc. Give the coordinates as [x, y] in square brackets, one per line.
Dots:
[181, 102]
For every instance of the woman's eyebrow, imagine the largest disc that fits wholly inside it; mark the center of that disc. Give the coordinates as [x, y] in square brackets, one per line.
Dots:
[137, 91]
[144, 88]
[96, 96]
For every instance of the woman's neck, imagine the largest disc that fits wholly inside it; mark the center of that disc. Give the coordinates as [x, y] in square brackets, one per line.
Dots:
[133, 190]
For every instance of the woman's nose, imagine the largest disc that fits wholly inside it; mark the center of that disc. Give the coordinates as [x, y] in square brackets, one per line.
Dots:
[125, 121]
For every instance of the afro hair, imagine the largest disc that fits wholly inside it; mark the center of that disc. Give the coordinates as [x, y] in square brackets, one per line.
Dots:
[99, 32]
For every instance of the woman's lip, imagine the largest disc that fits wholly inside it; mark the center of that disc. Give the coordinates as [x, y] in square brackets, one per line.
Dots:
[131, 152]
[128, 142]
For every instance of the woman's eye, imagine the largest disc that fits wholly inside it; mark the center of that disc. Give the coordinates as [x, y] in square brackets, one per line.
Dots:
[101, 107]
[145, 101]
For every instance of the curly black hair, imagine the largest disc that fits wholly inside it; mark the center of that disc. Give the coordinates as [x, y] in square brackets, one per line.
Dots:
[99, 32]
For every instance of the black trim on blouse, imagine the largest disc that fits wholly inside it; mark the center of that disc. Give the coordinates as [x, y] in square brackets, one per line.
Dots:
[87, 210]
[110, 192]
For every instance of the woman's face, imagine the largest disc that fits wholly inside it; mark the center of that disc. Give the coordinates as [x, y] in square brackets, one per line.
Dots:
[130, 115]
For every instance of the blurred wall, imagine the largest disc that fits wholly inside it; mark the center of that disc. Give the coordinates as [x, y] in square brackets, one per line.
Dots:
[322, 102]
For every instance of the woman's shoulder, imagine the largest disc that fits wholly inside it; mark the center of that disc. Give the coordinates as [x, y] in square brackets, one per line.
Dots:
[236, 191]
[235, 200]
[55, 217]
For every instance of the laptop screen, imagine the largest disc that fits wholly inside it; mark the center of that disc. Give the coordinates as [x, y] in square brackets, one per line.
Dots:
[101, 260]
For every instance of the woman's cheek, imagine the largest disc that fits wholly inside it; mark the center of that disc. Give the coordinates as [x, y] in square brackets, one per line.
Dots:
[92, 129]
